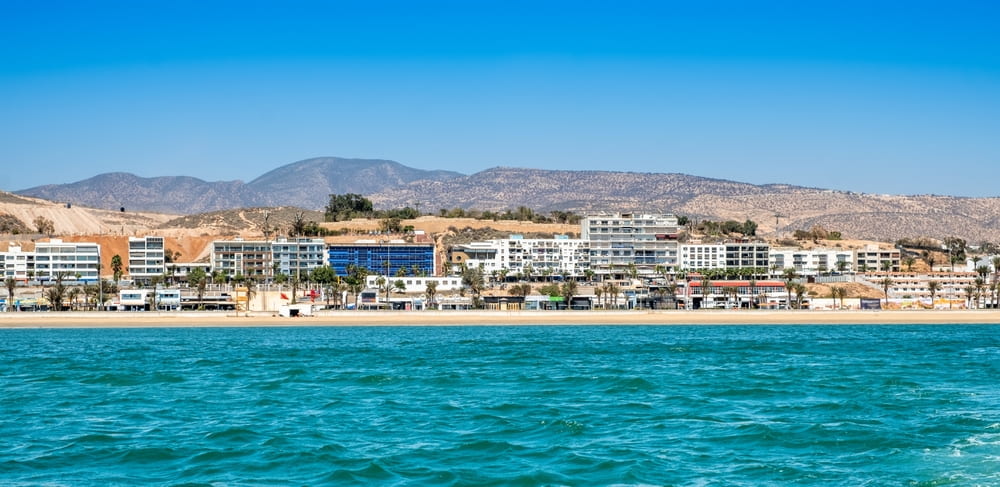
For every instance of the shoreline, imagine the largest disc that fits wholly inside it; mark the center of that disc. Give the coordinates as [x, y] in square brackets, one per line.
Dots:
[198, 319]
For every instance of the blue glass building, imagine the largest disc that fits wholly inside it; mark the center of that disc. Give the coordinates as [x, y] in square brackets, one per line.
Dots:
[376, 256]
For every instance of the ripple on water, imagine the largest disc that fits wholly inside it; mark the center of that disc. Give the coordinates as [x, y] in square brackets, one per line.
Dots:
[502, 406]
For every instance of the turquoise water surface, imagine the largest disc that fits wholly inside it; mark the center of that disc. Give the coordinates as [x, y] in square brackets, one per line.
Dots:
[554, 405]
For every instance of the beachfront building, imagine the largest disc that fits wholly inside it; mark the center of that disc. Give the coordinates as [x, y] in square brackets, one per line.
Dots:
[874, 258]
[737, 254]
[249, 258]
[703, 293]
[146, 258]
[812, 262]
[621, 241]
[297, 257]
[18, 263]
[519, 256]
[79, 261]
[418, 284]
[179, 271]
[912, 287]
[381, 257]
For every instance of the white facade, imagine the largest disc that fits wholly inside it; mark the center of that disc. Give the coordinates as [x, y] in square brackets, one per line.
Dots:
[702, 256]
[17, 263]
[620, 240]
[72, 260]
[518, 256]
[419, 284]
[297, 256]
[812, 262]
[146, 258]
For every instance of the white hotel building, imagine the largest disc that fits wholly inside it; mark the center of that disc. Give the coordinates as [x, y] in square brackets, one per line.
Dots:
[146, 258]
[728, 255]
[74, 260]
[623, 239]
[555, 256]
[811, 262]
[16, 263]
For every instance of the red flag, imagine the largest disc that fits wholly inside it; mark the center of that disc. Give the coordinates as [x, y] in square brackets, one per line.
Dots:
[283, 296]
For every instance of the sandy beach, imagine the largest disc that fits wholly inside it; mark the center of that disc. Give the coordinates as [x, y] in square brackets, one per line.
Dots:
[458, 318]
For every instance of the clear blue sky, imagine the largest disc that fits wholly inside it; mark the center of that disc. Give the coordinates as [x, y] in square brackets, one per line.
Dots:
[879, 97]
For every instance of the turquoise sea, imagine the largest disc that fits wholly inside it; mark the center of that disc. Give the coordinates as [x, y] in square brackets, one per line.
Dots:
[516, 405]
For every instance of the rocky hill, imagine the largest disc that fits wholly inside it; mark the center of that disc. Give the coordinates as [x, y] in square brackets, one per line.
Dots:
[306, 184]
[309, 183]
[778, 209]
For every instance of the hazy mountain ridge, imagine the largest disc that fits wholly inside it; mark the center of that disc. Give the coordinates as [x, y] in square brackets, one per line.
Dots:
[307, 183]
[166, 194]
[776, 207]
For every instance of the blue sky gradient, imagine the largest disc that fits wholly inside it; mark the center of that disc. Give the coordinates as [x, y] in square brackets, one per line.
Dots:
[879, 97]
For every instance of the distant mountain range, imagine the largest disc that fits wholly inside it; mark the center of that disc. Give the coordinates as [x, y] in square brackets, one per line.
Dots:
[776, 207]
[306, 184]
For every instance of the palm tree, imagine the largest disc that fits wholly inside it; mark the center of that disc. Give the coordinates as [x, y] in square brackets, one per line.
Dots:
[117, 267]
[57, 292]
[886, 283]
[969, 290]
[980, 283]
[153, 283]
[838, 292]
[199, 280]
[11, 283]
[89, 295]
[789, 275]
[569, 289]
[789, 287]
[800, 294]
[335, 290]
[430, 291]
[398, 286]
[73, 294]
[996, 280]
[933, 287]
[908, 262]
[611, 290]
[598, 292]
[472, 278]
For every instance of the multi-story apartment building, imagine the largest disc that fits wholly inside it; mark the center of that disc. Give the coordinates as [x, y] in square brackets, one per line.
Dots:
[520, 256]
[249, 258]
[383, 257]
[729, 255]
[297, 256]
[873, 258]
[813, 261]
[72, 260]
[912, 285]
[618, 241]
[18, 263]
[146, 258]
